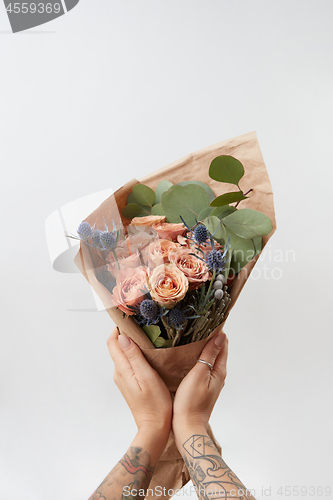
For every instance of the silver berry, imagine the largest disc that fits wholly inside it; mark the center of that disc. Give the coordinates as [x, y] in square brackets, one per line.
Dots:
[218, 285]
[220, 277]
[218, 294]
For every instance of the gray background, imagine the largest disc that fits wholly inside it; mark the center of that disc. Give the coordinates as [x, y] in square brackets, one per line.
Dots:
[116, 89]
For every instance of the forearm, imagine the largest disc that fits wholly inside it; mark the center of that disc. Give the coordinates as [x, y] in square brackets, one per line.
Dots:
[210, 475]
[130, 478]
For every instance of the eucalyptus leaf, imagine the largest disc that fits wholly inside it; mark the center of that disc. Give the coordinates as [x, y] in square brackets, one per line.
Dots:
[186, 201]
[226, 168]
[248, 223]
[258, 244]
[130, 198]
[134, 210]
[233, 239]
[157, 209]
[205, 213]
[160, 189]
[216, 228]
[227, 198]
[152, 332]
[143, 195]
[242, 252]
[223, 211]
[208, 190]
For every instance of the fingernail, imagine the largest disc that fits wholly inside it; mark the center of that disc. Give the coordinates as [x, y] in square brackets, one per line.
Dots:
[124, 341]
[219, 340]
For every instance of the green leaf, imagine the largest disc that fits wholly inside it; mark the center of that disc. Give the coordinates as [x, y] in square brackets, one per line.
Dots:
[205, 213]
[208, 190]
[226, 168]
[160, 189]
[161, 342]
[248, 223]
[242, 253]
[187, 201]
[258, 244]
[157, 209]
[214, 225]
[152, 332]
[134, 210]
[144, 195]
[223, 211]
[130, 198]
[227, 198]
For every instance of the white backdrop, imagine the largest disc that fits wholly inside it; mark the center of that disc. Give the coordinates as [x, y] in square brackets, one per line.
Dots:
[116, 89]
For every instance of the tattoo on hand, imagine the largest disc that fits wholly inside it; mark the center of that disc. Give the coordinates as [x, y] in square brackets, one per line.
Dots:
[210, 475]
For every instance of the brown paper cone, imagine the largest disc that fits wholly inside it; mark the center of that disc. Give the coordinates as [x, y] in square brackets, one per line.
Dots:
[174, 363]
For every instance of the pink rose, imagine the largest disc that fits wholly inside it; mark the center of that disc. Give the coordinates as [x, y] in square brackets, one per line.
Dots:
[194, 269]
[147, 221]
[157, 252]
[185, 242]
[130, 287]
[124, 260]
[166, 230]
[206, 247]
[167, 285]
[137, 241]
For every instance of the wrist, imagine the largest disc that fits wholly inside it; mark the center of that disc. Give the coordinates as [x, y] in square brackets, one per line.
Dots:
[185, 430]
[158, 429]
[153, 438]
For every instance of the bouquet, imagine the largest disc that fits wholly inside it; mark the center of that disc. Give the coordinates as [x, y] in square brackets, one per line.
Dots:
[169, 255]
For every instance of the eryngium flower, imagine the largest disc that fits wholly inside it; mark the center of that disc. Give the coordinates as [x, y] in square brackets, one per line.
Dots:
[201, 234]
[84, 230]
[176, 318]
[149, 310]
[108, 239]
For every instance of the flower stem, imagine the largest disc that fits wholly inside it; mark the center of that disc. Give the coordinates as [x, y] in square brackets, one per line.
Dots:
[92, 260]
[209, 288]
[244, 194]
[115, 256]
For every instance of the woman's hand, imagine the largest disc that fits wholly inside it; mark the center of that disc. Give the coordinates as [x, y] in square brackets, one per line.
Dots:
[150, 403]
[143, 389]
[196, 396]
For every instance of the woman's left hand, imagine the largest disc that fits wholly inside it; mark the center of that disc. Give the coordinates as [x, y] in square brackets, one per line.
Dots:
[143, 389]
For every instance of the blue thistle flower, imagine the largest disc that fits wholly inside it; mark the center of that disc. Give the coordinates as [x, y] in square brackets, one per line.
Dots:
[176, 318]
[96, 237]
[109, 240]
[150, 310]
[215, 260]
[200, 234]
[85, 231]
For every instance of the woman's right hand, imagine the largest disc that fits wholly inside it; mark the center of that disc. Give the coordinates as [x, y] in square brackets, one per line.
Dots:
[197, 394]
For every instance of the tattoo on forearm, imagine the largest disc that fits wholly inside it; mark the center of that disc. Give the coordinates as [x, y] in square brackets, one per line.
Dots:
[129, 479]
[211, 476]
[134, 467]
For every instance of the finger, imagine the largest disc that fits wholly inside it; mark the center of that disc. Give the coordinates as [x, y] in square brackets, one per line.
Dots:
[121, 362]
[135, 357]
[211, 350]
[220, 366]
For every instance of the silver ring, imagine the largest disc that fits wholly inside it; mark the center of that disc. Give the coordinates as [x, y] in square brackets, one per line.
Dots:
[206, 363]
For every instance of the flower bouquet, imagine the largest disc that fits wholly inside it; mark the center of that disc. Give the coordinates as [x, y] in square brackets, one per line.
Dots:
[169, 255]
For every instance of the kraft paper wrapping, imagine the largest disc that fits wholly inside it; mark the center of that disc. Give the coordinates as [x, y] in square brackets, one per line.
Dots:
[174, 363]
